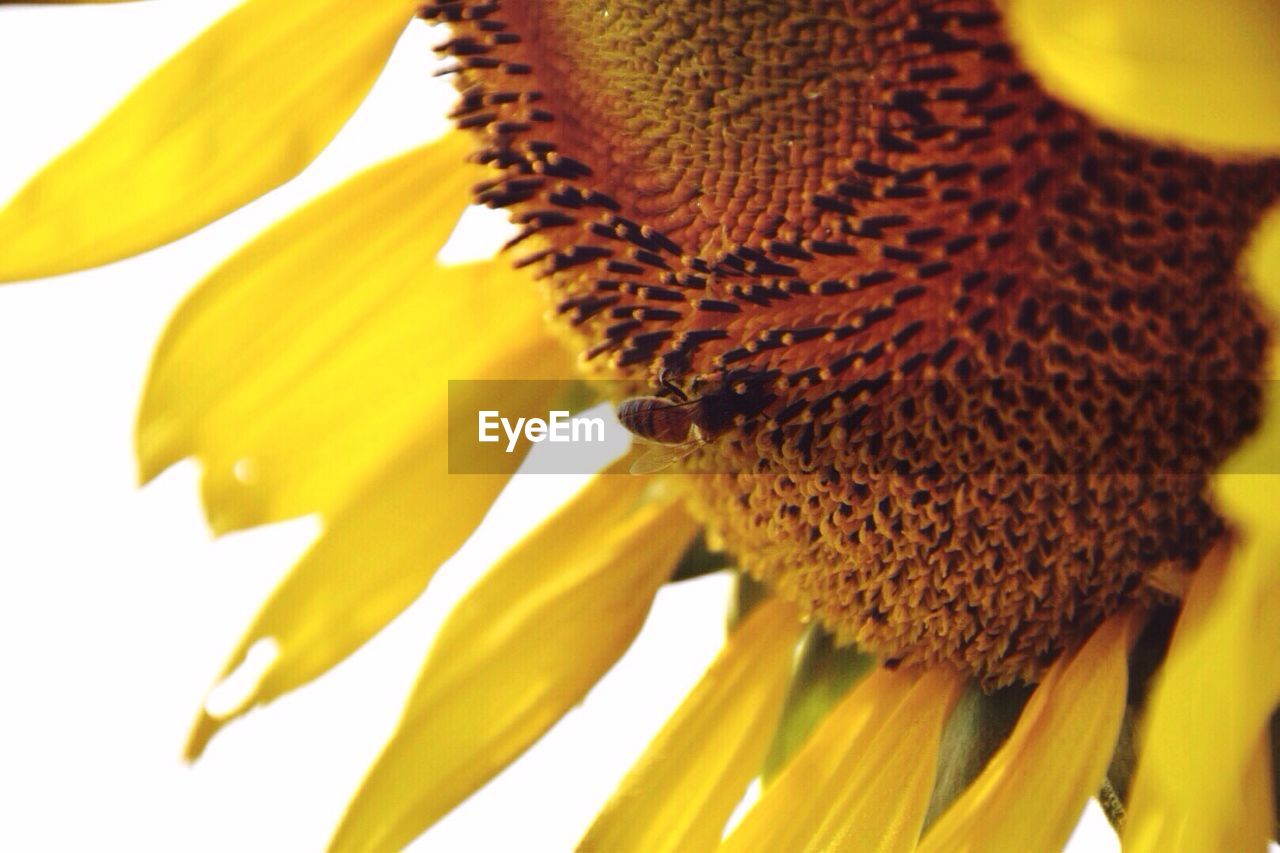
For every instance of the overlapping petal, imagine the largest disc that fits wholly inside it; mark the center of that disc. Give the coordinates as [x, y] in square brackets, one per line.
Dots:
[310, 373]
[376, 555]
[521, 649]
[1203, 775]
[682, 791]
[975, 729]
[1202, 74]
[324, 347]
[1201, 781]
[295, 294]
[843, 761]
[310, 443]
[824, 674]
[1197, 785]
[882, 793]
[240, 110]
[1259, 457]
[1034, 788]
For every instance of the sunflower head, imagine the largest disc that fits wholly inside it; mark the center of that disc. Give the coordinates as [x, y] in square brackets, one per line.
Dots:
[953, 300]
[963, 314]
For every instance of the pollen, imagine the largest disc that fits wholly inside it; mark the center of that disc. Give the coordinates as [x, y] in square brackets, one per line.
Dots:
[989, 350]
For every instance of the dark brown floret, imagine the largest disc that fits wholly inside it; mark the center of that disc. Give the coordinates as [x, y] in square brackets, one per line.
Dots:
[997, 347]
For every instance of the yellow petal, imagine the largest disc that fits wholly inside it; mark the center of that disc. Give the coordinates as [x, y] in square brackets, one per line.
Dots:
[792, 809]
[291, 383]
[373, 559]
[1200, 779]
[682, 791]
[287, 298]
[306, 447]
[1262, 262]
[1254, 824]
[882, 793]
[1033, 789]
[240, 110]
[520, 650]
[309, 356]
[977, 727]
[1197, 73]
[824, 674]
[1259, 456]
[1197, 786]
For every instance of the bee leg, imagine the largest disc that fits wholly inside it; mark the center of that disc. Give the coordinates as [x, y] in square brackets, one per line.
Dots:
[670, 387]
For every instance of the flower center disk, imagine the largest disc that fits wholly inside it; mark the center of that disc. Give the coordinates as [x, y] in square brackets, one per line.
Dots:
[979, 354]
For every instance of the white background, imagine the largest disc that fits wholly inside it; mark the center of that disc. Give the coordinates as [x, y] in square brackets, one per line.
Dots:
[116, 605]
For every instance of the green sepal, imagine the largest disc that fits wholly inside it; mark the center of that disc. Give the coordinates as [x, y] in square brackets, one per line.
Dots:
[1144, 661]
[1124, 760]
[1275, 772]
[977, 727]
[823, 675]
[698, 560]
[747, 593]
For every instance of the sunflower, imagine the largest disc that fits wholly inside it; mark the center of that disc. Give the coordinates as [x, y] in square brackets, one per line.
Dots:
[971, 299]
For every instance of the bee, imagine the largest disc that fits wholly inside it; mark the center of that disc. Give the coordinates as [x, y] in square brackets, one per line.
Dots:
[673, 428]
[669, 427]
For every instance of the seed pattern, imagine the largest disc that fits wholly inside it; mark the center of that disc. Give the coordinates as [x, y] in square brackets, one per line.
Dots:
[997, 347]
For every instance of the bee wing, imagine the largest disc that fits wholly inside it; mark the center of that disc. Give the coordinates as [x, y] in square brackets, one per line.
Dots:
[656, 457]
